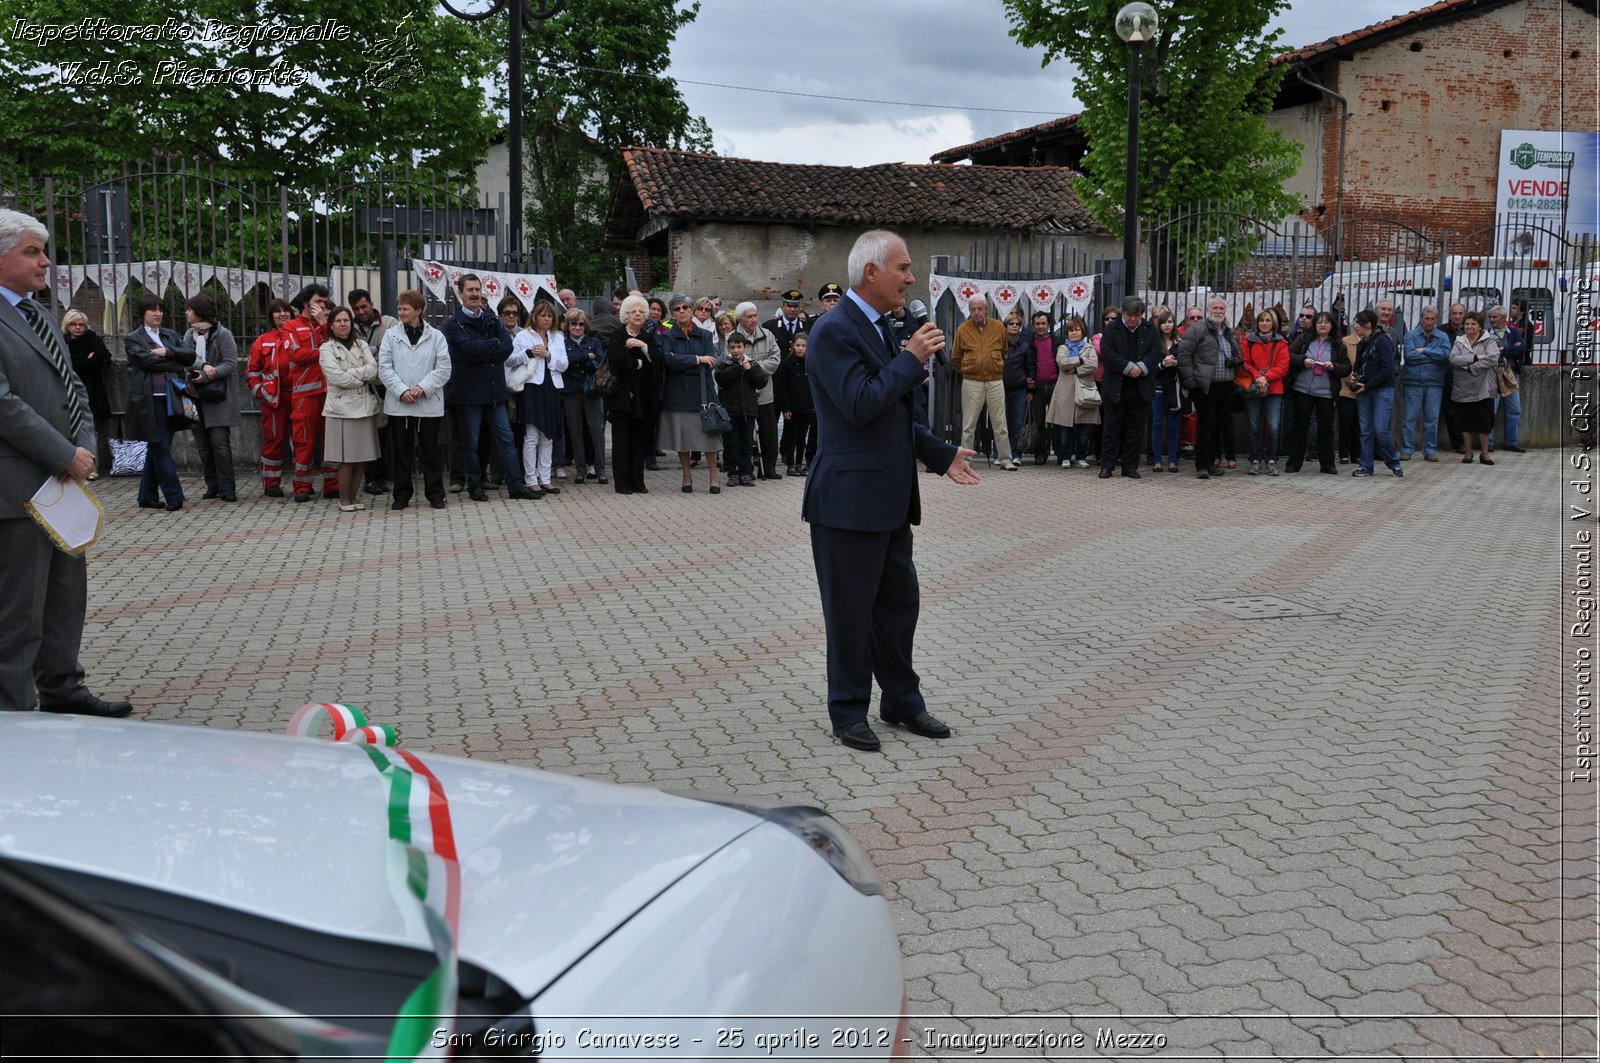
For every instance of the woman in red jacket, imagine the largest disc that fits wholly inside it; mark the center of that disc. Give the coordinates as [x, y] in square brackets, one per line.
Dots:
[1266, 363]
[267, 375]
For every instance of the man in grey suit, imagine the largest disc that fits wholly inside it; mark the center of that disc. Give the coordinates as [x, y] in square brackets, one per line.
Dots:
[45, 431]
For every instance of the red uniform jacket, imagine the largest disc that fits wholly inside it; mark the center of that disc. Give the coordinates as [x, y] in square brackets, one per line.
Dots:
[268, 367]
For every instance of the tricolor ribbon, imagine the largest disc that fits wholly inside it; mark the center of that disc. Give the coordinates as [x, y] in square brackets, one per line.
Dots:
[424, 865]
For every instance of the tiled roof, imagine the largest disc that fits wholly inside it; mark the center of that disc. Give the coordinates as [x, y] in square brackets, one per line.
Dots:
[1357, 39]
[1055, 125]
[1380, 31]
[707, 187]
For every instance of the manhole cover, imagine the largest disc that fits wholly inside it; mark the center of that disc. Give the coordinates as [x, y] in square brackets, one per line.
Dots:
[1262, 607]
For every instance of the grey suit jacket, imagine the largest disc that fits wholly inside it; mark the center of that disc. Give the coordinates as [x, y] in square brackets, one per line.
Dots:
[35, 438]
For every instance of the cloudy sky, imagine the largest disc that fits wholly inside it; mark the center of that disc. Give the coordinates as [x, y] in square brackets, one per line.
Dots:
[953, 55]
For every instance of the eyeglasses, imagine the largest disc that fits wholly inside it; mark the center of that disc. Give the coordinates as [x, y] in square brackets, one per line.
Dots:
[508, 312]
[1306, 317]
[1194, 317]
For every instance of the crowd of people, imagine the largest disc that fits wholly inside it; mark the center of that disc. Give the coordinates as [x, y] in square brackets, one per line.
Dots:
[510, 399]
[1162, 385]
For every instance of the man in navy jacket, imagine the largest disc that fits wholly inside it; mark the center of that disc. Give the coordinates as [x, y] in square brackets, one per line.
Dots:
[479, 347]
[862, 498]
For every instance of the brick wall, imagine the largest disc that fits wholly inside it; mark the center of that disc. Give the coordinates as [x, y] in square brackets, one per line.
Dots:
[1426, 109]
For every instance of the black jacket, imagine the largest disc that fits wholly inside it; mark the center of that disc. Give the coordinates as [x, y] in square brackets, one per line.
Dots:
[639, 375]
[679, 351]
[143, 417]
[479, 347]
[739, 386]
[1121, 346]
[792, 388]
[780, 332]
[92, 370]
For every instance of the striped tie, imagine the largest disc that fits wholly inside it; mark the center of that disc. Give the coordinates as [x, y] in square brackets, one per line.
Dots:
[58, 358]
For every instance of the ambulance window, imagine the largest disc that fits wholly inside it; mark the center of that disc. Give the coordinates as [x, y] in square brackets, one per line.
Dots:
[1479, 297]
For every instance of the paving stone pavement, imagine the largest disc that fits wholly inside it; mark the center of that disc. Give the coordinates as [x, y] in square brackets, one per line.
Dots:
[1328, 819]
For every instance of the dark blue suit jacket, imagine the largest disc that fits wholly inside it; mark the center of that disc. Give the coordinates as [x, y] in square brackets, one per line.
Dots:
[865, 474]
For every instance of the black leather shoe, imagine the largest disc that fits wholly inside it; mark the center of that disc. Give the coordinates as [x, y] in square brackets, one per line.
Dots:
[1133, 475]
[1515, 450]
[1105, 474]
[302, 496]
[550, 489]
[230, 498]
[272, 492]
[436, 503]
[212, 492]
[149, 505]
[858, 736]
[174, 506]
[652, 465]
[476, 494]
[524, 493]
[923, 723]
[400, 503]
[90, 706]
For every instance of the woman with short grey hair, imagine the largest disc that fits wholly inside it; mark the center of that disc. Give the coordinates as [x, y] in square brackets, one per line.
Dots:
[216, 362]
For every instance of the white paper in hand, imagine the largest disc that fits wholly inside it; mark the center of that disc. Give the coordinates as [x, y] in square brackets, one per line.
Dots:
[68, 512]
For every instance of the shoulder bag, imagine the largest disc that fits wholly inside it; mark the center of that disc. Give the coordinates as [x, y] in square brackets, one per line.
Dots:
[1088, 395]
[1506, 379]
[714, 418]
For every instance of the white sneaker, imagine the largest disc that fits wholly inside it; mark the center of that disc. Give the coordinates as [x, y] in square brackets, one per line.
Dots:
[561, 474]
[1272, 468]
[1011, 466]
[592, 473]
[1066, 463]
[1082, 463]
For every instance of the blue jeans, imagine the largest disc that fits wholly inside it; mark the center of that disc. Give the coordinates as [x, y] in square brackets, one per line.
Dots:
[1376, 408]
[1426, 400]
[1164, 420]
[469, 422]
[1272, 406]
[1016, 405]
[159, 468]
[1513, 407]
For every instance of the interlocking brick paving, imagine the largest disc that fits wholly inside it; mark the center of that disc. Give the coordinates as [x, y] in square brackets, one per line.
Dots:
[1332, 829]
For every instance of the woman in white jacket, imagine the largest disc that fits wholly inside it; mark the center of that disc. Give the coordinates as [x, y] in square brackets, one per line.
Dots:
[414, 365]
[350, 412]
[533, 371]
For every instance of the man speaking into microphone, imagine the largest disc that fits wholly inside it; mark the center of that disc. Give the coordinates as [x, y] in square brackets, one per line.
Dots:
[861, 498]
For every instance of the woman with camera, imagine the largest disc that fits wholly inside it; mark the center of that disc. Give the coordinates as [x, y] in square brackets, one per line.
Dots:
[350, 413]
[158, 361]
[1373, 385]
[216, 361]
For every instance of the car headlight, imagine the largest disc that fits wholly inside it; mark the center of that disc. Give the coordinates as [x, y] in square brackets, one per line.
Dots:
[825, 835]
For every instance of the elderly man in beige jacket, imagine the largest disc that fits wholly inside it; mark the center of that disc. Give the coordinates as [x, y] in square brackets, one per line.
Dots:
[980, 357]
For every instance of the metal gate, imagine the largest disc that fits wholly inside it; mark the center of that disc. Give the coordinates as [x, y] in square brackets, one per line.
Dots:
[1009, 258]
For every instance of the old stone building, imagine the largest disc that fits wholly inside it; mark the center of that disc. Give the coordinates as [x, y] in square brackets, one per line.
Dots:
[750, 230]
[1428, 94]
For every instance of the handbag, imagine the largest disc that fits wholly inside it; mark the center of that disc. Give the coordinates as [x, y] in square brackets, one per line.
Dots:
[181, 408]
[1506, 379]
[1088, 395]
[714, 419]
[210, 391]
[605, 381]
[1028, 442]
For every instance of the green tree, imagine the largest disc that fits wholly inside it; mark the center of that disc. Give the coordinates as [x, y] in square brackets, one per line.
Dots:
[278, 89]
[594, 83]
[1206, 87]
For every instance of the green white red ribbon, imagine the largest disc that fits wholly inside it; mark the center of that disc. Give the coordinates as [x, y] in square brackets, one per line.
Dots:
[425, 866]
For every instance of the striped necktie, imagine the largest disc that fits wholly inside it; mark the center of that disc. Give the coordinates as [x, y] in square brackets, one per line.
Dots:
[58, 358]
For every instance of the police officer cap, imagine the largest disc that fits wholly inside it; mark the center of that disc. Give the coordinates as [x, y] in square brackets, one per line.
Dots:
[792, 297]
[831, 291]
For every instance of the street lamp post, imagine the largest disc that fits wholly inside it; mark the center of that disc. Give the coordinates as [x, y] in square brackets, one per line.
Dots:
[1136, 24]
[520, 13]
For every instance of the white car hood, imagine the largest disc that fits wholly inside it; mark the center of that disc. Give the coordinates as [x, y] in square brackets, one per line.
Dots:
[294, 829]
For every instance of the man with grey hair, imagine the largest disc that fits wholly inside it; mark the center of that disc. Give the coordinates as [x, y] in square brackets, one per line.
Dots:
[861, 498]
[765, 352]
[46, 441]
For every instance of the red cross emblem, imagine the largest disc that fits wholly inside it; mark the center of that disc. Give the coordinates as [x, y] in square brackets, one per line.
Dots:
[434, 271]
[491, 286]
[1079, 291]
[1006, 294]
[936, 288]
[968, 291]
[524, 289]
